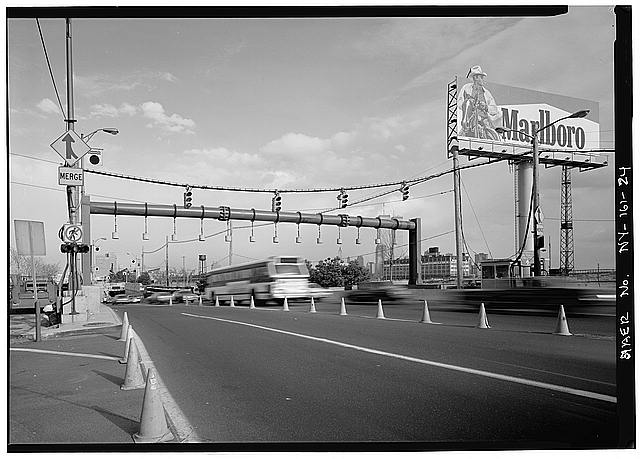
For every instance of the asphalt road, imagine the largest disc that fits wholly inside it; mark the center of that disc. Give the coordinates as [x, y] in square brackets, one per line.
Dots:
[266, 375]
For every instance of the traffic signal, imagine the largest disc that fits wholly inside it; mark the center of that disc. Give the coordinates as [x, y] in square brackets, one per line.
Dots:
[404, 189]
[95, 157]
[69, 247]
[343, 199]
[276, 202]
[188, 198]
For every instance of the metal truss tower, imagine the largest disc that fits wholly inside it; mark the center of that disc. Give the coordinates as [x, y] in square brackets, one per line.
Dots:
[566, 224]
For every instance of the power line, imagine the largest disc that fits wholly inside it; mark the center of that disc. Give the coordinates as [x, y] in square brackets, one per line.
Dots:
[44, 48]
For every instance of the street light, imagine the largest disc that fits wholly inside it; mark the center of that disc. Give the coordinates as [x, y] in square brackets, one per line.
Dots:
[537, 212]
[112, 131]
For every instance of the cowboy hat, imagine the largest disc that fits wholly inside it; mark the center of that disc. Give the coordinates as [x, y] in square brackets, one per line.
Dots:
[475, 70]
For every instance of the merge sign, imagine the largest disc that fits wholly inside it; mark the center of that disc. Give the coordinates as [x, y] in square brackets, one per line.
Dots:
[70, 147]
[70, 176]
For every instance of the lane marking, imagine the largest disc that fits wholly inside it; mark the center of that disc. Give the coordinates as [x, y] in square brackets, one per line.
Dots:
[487, 374]
[70, 354]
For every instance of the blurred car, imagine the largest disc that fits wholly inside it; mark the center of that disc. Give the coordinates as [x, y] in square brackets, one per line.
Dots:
[123, 299]
[318, 292]
[183, 296]
[380, 290]
[160, 297]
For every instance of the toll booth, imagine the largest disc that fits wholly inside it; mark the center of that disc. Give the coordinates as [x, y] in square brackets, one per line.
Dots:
[499, 273]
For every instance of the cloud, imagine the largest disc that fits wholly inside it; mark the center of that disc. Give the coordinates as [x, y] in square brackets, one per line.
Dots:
[111, 111]
[168, 77]
[48, 106]
[174, 123]
[98, 84]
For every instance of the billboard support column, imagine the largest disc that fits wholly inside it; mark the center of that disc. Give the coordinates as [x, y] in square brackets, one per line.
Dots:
[525, 238]
[458, 219]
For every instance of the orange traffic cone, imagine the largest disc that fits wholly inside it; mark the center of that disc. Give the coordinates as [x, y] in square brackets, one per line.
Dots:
[199, 300]
[562, 327]
[252, 305]
[380, 311]
[286, 304]
[343, 308]
[426, 317]
[313, 306]
[217, 302]
[125, 327]
[153, 423]
[133, 378]
[127, 346]
[233, 305]
[483, 322]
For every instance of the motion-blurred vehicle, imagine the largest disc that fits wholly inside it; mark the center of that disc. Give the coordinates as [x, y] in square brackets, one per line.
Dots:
[378, 290]
[183, 296]
[160, 297]
[123, 298]
[318, 292]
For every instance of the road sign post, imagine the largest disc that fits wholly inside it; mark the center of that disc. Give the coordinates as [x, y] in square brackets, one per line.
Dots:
[30, 241]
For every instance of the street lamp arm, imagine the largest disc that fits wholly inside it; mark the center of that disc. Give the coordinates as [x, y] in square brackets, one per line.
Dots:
[578, 114]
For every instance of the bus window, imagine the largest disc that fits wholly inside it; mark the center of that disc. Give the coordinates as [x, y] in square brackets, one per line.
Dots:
[287, 269]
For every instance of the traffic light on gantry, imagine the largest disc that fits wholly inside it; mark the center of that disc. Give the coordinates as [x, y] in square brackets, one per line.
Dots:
[276, 202]
[404, 189]
[343, 199]
[188, 198]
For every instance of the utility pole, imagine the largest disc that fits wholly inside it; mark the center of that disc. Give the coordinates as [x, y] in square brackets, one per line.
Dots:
[72, 191]
[184, 273]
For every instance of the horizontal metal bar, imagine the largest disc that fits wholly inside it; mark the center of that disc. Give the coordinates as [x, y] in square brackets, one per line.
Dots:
[161, 210]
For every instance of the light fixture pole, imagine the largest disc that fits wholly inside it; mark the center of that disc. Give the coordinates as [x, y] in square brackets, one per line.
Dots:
[538, 239]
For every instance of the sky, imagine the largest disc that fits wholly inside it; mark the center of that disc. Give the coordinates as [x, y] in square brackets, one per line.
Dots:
[306, 103]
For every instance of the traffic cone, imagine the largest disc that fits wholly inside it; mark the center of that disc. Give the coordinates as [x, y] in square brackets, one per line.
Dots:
[127, 346]
[380, 311]
[125, 327]
[217, 303]
[252, 305]
[133, 378]
[199, 300]
[171, 300]
[483, 322]
[343, 308]
[153, 423]
[313, 306]
[426, 317]
[286, 305]
[232, 304]
[562, 327]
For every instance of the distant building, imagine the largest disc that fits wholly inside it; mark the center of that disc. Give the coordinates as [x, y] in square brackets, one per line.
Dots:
[435, 265]
[104, 264]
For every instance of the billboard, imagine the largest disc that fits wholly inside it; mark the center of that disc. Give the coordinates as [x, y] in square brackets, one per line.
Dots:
[483, 107]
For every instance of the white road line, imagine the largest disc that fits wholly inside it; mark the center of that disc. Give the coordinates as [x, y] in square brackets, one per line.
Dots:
[70, 354]
[512, 379]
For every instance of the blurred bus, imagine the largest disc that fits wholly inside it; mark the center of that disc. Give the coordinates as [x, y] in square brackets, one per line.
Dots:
[273, 279]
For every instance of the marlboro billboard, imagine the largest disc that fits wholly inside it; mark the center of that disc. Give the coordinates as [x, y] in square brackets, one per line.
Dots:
[482, 107]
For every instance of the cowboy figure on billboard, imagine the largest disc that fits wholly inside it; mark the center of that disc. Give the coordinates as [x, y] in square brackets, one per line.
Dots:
[477, 107]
